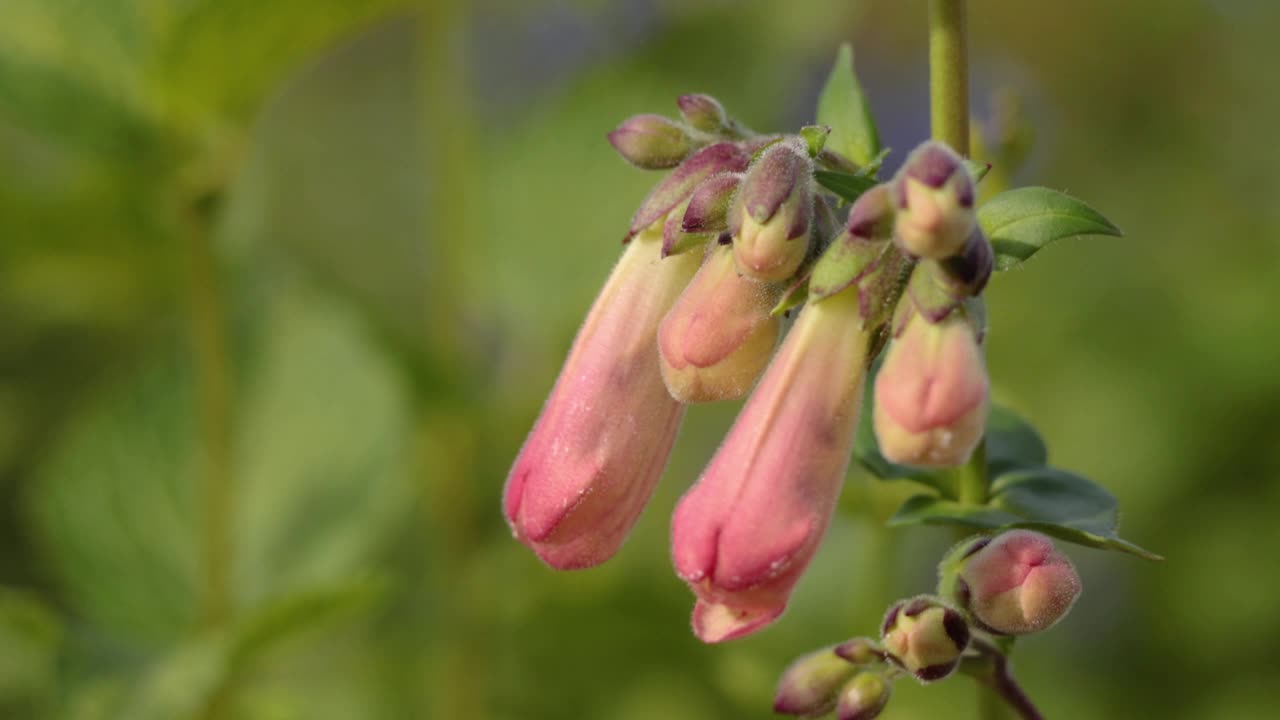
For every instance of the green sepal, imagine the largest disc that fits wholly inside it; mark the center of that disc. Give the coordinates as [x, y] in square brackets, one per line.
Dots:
[848, 186]
[847, 259]
[815, 138]
[1055, 502]
[843, 106]
[794, 297]
[1022, 221]
[977, 169]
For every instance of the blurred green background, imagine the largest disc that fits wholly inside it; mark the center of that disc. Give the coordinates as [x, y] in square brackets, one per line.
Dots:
[283, 285]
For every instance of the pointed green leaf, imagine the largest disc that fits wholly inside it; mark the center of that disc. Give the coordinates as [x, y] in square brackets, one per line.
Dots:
[847, 185]
[843, 107]
[1020, 222]
[1012, 443]
[1054, 502]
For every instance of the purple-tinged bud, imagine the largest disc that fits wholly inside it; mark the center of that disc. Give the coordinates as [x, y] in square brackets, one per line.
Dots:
[934, 192]
[675, 188]
[744, 533]
[860, 651]
[810, 685]
[864, 697]
[702, 112]
[718, 337]
[675, 240]
[855, 252]
[651, 142]
[931, 394]
[708, 209]
[925, 637]
[1018, 583]
[771, 217]
[599, 446]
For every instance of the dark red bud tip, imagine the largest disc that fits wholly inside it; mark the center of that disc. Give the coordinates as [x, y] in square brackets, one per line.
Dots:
[933, 164]
[957, 629]
[890, 618]
[935, 672]
[872, 214]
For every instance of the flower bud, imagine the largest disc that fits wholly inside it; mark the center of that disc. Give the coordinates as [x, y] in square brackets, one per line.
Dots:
[718, 337]
[676, 187]
[596, 451]
[864, 697]
[702, 112]
[1017, 583]
[810, 685]
[860, 651]
[744, 533]
[771, 217]
[934, 195]
[931, 394]
[925, 637]
[651, 142]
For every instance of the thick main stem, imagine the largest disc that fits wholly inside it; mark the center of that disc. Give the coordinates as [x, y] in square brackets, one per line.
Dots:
[213, 396]
[949, 73]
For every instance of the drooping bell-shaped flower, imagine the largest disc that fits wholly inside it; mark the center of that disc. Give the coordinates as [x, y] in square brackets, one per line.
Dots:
[931, 394]
[771, 217]
[718, 337]
[744, 533]
[1016, 583]
[597, 450]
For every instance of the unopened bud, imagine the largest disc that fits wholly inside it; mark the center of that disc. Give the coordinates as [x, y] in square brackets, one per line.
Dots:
[708, 209]
[863, 698]
[812, 684]
[1017, 583]
[772, 215]
[934, 193]
[860, 651]
[925, 637]
[651, 142]
[718, 337]
[676, 187]
[702, 112]
[931, 394]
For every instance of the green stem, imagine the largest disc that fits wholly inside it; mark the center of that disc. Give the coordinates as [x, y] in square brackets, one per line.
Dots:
[972, 482]
[949, 73]
[213, 395]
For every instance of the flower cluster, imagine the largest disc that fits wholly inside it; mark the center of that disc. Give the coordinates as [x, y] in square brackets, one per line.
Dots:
[738, 230]
[1011, 584]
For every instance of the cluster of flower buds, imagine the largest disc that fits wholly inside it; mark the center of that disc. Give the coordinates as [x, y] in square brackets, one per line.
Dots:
[690, 315]
[1012, 584]
[852, 679]
[932, 391]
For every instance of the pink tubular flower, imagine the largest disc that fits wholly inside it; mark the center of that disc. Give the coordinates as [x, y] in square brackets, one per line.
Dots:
[594, 456]
[742, 536]
[931, 394]
[1018, 583]
[718, 337]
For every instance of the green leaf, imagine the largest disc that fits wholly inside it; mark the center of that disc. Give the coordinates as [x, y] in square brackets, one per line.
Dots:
[319, 492]
[1054, 502]
[199, 75]
[30, 638]
[843, 106]
[1020, 222]
[1012, 443]
[847, 185]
